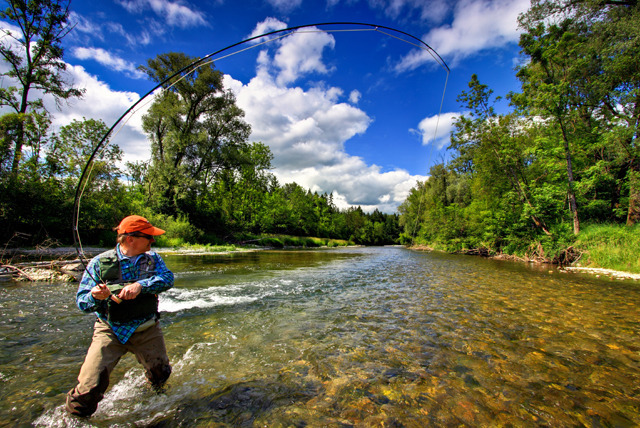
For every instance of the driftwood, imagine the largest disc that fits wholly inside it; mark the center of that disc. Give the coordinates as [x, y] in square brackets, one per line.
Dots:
[15, 271]
[54, 270]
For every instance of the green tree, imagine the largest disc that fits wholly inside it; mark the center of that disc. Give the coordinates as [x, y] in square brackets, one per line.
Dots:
[105, 199]
[196, 132]
[240, 194]
[614, 46]
[34, 58]
[71, 148]
[488, 144]
[584, 75]
[551, 90]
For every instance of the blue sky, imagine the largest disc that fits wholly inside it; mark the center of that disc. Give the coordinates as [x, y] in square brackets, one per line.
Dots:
[345, 112]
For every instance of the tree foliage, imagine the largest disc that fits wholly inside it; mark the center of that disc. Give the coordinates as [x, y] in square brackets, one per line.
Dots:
[566, 154]
[34, 57]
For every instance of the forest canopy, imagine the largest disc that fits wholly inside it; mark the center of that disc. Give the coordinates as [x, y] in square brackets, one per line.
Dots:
[567, 153]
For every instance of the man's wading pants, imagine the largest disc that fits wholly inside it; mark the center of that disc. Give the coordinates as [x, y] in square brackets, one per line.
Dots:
[103, 355]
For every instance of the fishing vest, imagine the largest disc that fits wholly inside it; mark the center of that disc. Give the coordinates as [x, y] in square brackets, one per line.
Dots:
[143, 306]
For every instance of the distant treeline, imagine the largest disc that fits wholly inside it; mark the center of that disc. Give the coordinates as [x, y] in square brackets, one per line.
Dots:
[567, 155]
[204, 183]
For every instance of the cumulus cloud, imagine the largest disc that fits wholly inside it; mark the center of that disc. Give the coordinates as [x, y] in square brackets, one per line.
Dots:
[175, 13]
[109, 60]
[303, 128]
[302, 54]
[436, 129]
[295, 56]
[267, 26]
[285, 5]
[427, 10]
[353, 183]
[306, 129]
[102, 102]
[355, 96]
[477, 25]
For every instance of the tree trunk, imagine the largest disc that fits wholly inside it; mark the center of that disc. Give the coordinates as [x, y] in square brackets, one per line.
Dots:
[19, 138]
[573, 205]
[633, 215]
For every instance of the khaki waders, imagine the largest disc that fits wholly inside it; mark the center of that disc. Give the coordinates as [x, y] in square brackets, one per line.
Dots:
[104, 353]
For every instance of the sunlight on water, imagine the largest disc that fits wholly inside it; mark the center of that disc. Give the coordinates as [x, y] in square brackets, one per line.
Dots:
[349, 337]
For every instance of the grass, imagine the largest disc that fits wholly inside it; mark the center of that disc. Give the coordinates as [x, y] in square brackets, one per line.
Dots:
[178, 243]
[274, 241]
[283, 241]
[610, 246]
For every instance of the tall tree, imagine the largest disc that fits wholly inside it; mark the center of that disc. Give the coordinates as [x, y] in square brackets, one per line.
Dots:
[487, 143]
[552, 90]
[71, 148]
[585, 54]
[196, 131]
[615, 43]
[34, 56]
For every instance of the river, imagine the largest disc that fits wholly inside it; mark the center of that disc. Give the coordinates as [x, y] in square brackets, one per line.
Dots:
[345, 337]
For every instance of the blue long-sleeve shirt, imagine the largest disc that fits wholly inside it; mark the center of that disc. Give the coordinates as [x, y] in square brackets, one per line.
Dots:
[161, 281]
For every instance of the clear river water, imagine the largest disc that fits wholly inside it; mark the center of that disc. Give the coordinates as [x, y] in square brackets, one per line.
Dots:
[362, 337]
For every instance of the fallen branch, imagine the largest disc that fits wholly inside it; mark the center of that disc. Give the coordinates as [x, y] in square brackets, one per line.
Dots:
[18, 270]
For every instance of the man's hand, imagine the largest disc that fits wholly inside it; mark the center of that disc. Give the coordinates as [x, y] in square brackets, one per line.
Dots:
[130, 291]
[100, 292]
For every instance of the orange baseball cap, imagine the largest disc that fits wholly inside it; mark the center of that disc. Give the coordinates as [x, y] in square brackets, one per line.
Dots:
[136, 223]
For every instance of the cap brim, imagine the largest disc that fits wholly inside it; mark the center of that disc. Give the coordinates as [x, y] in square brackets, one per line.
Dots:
[153, 231]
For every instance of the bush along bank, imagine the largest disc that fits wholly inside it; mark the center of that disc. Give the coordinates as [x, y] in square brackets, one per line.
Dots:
[604, 249]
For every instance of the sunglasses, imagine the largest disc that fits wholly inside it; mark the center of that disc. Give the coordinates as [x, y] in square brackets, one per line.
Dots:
[141, 235]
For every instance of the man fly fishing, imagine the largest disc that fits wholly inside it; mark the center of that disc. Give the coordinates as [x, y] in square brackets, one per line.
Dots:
[121, 286]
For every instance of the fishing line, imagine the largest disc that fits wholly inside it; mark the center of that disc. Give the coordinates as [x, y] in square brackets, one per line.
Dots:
[207, 59]
[424, 189]
[131, 113]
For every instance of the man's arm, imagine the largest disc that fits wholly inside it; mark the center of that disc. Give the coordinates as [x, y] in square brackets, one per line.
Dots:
[161, 281]
[91, 296]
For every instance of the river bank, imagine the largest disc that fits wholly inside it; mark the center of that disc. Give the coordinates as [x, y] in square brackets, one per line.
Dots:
[596, 271]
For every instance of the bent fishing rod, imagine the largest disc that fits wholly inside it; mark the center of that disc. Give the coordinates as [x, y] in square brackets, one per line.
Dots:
[85, 175]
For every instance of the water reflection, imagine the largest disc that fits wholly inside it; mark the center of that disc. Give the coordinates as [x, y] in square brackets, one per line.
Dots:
[350, 337]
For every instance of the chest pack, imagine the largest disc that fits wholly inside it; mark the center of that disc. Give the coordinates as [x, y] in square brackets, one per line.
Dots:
[143, 306]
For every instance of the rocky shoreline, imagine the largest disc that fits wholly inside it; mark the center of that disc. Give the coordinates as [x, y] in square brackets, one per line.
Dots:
[62, 264]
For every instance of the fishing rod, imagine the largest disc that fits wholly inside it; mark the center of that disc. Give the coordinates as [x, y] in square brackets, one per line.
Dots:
[85, 175]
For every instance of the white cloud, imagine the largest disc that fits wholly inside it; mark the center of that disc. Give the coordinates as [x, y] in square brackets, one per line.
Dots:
[303, 128]
[297, 54]
[428, 10]
[436, 129]
[102, 102]
[285, 5]
[306, 130]
[86, 31]
[356, 183]
[84, 25]
[267, 26]
[477, 25]
[355, 96]
[175, 13]
[109, 60]
[301, 54]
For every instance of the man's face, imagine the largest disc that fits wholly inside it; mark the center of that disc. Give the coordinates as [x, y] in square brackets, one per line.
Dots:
[139, 243]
